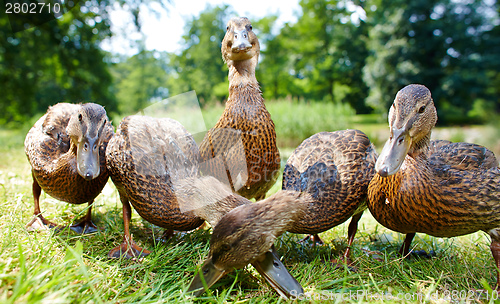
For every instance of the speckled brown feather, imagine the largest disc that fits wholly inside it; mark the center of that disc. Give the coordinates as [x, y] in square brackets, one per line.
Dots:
[47, 146]
[248, 231]
[452, 192]
[444, 190]
[335, 168]
[254, 164]
[144, 158]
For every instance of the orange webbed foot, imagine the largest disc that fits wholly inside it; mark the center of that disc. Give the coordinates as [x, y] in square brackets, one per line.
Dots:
[129, 250]
[314, 238]
[40, 223]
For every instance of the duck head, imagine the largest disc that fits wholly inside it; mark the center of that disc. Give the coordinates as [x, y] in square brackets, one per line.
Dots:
[411, 119]
[86, 129]
[240, 42]
[246, 236]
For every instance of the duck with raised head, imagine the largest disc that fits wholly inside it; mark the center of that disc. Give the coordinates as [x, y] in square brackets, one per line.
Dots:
[66, 149]
[443, 189]
[335, 168]
[154, 164]
[244, 136]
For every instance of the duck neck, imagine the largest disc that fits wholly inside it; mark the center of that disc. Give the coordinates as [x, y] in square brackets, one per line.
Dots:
[243, 85]
[420, 148]
[206, 197]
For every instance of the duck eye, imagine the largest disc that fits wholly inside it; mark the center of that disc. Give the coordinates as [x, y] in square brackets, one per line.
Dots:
[421, 110]
[80, 117]
[225, 247]
[227, 28]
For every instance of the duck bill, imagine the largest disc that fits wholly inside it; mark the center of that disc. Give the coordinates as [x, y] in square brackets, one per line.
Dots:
[241, 42]
[394, 152]
[87, 158]
[275, 273]
[205, 278]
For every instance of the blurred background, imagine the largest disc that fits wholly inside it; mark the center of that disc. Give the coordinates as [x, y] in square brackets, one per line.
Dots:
[324, 64]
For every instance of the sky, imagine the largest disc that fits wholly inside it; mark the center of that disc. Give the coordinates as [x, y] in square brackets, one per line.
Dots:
[164, 32]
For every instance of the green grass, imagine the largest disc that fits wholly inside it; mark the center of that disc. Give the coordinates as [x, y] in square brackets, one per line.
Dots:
[50, 267]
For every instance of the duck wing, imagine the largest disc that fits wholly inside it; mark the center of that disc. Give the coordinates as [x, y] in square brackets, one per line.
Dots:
[48, 140]
[335, 168]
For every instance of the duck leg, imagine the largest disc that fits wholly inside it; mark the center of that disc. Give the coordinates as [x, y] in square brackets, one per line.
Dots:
[405, 248]
[351, 232]
[314, 238]
[495, 251]
[38, 220]
[128, 248]
[85, 226]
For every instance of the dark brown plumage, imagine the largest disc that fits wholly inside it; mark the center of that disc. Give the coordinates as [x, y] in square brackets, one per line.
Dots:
[441, 189]
[244, 138]
[66, 150]
[246, 235]
[335, 168]
[325, 182]
[154, 164]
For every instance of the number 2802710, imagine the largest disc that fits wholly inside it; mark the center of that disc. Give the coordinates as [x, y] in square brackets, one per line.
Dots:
[32, 8]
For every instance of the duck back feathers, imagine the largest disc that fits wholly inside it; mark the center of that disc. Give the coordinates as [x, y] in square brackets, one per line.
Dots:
[145, 158]
[335, 169]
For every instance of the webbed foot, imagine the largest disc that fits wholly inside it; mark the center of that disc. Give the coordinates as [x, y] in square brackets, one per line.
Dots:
[314, 238]
[84, 227]
[128, 249]
[40, 223]
[422, 254]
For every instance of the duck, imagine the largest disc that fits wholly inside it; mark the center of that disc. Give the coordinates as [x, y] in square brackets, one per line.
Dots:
[243, 236]
[244, 137]
[441, 189]
[66, 150]
[155, 166]
[335, 168]
[326, 181]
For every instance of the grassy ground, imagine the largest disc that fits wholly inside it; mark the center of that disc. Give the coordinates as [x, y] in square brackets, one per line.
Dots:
[50, 267]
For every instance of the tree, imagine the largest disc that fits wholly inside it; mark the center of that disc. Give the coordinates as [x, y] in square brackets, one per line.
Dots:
[440, 44]
[322, 53]
[139, 80]
[56, 61]
[200, 66]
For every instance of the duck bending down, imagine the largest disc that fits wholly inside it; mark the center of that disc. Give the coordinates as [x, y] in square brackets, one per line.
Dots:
[154, 164]
[326, 179]
[244, 136]
[335, 168]
[443, 189]
[66, 149]
[246, 235]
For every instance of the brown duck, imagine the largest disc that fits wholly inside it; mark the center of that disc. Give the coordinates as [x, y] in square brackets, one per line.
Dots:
[154, 164]
[335, 168]
[325, 182]
[442, 189]
[246, 235]
[66, 149]
[244, 138]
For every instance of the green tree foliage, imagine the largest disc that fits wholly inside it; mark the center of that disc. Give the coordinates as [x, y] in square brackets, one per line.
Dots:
[56, 61]
[441, 44]
[320, 57]
[140, 80]
[199, 66]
